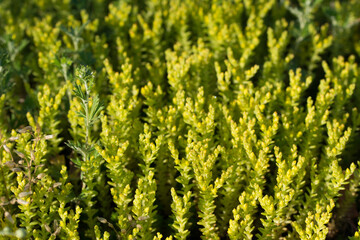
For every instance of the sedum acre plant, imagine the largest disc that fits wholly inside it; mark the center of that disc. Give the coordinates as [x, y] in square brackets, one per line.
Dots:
[179, 119]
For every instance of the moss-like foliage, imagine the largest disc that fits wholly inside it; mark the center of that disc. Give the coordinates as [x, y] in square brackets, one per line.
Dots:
[179, 119]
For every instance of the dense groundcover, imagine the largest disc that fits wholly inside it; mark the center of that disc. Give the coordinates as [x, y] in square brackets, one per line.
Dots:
[179, 119]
